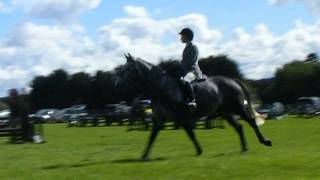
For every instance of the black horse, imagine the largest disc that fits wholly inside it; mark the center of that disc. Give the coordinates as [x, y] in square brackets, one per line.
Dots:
[216, 96]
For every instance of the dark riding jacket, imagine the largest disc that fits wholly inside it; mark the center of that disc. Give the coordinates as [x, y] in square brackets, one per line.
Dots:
[189, 61]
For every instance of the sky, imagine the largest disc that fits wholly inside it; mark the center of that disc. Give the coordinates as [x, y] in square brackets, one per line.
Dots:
[39, 36]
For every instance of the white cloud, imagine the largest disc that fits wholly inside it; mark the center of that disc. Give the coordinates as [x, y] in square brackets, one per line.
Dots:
[61, 10]
[261, 52]
[33, 49]
[135, 33]
[313, 5]
[136, 11]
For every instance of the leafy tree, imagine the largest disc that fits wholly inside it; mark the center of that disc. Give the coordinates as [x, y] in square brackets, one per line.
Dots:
[3, 106]
[49, 92]
[312, 57]
[102, 89]
[220, 65]
[80, 88]
[297, 79]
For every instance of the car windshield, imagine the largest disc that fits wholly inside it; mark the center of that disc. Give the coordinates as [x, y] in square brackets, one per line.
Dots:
[305, 101]
[44, 111]
[74, 111]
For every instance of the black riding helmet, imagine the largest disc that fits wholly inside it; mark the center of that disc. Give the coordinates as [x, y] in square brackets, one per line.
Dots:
[187, 32]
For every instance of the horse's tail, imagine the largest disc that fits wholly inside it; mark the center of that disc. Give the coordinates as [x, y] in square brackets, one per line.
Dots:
[254, 114]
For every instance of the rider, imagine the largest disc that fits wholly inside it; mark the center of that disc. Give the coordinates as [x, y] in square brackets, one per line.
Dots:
[190, 67]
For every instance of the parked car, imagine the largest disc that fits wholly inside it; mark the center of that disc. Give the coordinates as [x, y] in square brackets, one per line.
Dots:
[308, 105]
[4, 117]
[75, 116]
[143, 107]
[272, 111]
[141, 115]
[46, 115]
[116, 113]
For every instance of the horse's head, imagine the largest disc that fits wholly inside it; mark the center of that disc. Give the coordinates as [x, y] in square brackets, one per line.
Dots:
[132, 75]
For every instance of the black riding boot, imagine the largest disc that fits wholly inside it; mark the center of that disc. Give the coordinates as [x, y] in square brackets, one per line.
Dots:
[191, 102]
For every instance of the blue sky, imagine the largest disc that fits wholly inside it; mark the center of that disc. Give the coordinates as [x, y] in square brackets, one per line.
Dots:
[224, 15]
[39, 36]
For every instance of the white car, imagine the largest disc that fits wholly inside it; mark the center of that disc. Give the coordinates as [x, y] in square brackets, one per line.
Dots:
[4, 117]
[46, 115]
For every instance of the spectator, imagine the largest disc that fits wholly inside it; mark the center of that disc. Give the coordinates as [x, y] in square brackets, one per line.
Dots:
[19, 115]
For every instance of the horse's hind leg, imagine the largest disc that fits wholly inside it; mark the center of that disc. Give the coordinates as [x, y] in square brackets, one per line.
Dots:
[188, 127]
[238, 127]
[245, 114]
[262, 140]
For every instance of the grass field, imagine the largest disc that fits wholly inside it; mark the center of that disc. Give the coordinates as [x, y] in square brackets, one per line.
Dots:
[112, 153]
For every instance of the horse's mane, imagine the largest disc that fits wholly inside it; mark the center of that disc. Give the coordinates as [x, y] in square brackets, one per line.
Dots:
[172, 68]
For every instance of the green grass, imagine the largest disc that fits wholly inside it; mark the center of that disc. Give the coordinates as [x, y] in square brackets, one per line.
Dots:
[112, 153]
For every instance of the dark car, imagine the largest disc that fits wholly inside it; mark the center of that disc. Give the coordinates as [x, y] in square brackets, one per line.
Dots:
[143, 108]
[75, 116]
[141, 115]
[116, 113]
[272, 111]
[308, 105]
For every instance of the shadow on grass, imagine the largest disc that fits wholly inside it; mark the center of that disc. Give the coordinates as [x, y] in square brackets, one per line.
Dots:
[138, 160]
[60, 166]
[231, 153]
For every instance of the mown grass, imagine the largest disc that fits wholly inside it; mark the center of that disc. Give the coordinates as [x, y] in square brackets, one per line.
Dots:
[112, 153]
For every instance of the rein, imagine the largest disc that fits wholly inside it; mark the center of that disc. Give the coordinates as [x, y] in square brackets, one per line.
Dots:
[146, 82]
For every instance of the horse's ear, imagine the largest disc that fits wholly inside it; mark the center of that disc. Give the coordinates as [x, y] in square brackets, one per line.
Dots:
[126, 56]
[130, 56]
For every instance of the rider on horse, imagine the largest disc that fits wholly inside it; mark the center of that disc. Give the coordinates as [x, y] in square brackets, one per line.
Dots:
[190, 67]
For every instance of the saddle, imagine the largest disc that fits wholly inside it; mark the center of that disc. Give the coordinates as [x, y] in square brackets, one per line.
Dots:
[201, 79]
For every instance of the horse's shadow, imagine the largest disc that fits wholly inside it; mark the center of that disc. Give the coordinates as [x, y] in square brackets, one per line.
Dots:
[85, 163]
[231, 153]
[75, 165]
[133, 160]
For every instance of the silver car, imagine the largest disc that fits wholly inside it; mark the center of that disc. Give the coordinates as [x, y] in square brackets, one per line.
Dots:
[4, 117]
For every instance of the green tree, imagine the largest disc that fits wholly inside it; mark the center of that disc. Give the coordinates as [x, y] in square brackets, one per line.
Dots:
[297, 79]
[80, 88]
[50, 91]
[103, 90]
[220, 65]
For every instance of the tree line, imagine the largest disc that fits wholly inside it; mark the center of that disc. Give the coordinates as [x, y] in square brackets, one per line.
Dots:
[61, 89]
[293, 80]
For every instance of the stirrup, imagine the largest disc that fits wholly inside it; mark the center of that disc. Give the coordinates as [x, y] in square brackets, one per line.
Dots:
[192, 104]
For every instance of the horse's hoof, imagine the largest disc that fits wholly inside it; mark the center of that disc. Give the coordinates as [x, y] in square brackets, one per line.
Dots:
[268, 143]
[244, 150]
[199, 152]
[144, 159]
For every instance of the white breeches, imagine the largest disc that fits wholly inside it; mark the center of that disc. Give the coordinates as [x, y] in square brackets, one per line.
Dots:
[189, 77]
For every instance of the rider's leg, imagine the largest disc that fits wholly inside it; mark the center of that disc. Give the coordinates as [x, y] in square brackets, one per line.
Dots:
[189, 91]
[187, 87]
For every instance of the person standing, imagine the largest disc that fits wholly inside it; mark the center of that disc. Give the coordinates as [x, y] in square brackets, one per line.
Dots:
[19, 115]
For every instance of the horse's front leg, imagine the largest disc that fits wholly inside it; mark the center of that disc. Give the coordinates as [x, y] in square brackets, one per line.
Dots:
[157, 126]
[188, 126]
